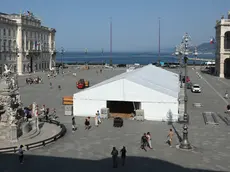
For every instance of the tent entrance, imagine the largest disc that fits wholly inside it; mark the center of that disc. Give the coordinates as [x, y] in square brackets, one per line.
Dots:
[123, 109]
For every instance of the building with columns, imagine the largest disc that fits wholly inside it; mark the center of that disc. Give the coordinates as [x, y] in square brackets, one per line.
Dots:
[26, 45]
[222, 27]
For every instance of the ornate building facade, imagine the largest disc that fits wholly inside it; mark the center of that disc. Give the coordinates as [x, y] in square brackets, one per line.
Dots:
[223, 47]
[26, 45]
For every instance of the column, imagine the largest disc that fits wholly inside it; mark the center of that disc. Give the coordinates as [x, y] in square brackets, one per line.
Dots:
[20, 56]
[50, 61]
[221, 45]
[221, 75]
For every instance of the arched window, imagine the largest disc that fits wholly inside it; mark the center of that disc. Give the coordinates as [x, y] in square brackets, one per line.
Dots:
[4, 31]
[227, 40]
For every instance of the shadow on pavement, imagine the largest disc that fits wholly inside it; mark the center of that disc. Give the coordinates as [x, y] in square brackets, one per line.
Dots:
[176, 132]
[10, 163]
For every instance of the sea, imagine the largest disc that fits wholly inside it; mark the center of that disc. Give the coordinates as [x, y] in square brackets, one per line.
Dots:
[124, 58]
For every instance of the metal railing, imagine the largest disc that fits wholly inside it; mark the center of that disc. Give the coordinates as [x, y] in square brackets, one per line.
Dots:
[39, 143]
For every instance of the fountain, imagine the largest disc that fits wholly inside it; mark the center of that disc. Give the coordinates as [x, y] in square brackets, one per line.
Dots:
[10, 102]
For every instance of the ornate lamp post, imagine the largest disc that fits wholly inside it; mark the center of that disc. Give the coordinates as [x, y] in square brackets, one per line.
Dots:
[178, 54]
[185, 51]
[62, 54]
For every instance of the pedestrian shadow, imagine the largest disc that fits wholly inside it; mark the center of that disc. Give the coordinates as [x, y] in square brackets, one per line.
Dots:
[176, 132]
[34, 163]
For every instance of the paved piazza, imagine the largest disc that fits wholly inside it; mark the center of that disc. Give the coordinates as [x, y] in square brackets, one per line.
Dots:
[90, 150]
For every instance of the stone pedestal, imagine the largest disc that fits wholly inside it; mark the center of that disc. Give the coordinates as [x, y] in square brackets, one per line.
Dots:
[13, 133]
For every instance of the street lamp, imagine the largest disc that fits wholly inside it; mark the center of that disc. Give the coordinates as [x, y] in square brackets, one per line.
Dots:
[178, 54]
[62, 54]
[185, 42]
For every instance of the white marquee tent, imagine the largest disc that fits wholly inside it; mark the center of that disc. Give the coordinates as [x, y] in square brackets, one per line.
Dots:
[156, 89]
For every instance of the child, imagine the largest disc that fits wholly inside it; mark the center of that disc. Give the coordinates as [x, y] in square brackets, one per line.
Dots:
[170, 136]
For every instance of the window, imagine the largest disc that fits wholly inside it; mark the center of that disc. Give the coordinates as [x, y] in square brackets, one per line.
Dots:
[10, 57]
[14, 33]
[9, 45]
[5, 58]
[27, 44]
[31, 45]
[9, 32]
[4, 32]
[14, 45]
[23, 45]
[30, 34]
[4, 45]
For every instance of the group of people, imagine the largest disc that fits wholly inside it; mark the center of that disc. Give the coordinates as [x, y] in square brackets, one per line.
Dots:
[115, 153]
[87, 122]
[146, 141]
[36, 80]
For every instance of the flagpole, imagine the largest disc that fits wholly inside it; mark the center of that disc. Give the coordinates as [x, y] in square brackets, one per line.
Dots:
[159, 40]
[111, 37]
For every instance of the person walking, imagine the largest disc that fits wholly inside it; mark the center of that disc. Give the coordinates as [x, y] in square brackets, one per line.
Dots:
[96, 120]
[144, 142]
[170, 137]
[114, 154]
[87, 123]
[123, 155]
[21, 154]
[99, 117]
[51, 85]
[74, 128]
[59, 87]
[226, 95]
[149, 140]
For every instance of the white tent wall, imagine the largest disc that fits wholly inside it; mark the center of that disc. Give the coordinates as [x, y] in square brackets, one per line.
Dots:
[156, 105]
[124, 90]
[160, 111]
[87, 107]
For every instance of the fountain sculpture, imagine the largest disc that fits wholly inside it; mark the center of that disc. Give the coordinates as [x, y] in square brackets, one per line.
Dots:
[10, 102]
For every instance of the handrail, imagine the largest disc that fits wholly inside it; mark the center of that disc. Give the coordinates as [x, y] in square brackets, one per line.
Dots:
[39, 143]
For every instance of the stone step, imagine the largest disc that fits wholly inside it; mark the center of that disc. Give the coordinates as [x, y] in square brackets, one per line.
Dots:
[30, 135]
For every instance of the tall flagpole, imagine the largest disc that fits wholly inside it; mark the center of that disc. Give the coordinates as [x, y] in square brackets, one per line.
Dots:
[111, 37]
[159, 40]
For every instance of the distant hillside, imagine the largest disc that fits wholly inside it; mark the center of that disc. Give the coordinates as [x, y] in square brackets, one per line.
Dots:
[206, 48]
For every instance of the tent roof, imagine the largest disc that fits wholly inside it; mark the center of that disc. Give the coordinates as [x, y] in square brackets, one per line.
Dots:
[152, 77]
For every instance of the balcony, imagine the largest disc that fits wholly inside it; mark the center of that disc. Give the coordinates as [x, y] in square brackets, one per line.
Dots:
[33, 53]
[223, 22]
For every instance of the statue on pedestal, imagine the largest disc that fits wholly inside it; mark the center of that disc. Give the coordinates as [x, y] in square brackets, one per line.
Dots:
[9, 96]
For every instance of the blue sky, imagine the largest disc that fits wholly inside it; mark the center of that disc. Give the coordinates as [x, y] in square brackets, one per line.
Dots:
[85, 23]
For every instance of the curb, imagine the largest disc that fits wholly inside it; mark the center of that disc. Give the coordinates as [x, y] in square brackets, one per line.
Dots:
[41, 143]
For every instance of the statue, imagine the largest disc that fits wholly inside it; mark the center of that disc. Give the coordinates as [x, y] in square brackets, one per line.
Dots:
[7, 71]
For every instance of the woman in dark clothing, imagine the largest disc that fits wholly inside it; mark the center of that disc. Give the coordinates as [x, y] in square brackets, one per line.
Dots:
[73, 125]
[123, 155]
[87, 123]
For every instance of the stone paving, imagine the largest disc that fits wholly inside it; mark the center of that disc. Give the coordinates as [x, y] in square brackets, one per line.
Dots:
[90, 150]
